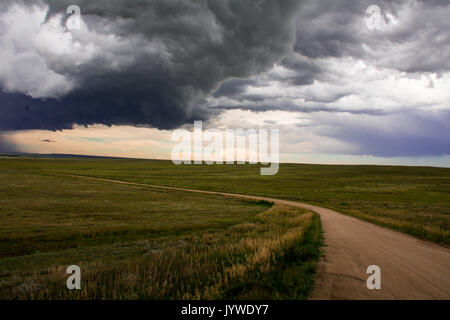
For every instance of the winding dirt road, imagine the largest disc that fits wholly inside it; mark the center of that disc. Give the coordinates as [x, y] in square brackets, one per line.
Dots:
[410, 268]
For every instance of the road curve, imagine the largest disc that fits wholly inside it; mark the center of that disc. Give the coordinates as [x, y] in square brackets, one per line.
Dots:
[410, 268]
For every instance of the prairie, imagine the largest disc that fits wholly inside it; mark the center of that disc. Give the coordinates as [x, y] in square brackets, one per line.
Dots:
[413, 200]
[138, 242]
[141, 243]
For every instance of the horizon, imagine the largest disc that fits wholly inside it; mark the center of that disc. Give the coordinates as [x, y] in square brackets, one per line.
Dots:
[350, 83]
[70, 155]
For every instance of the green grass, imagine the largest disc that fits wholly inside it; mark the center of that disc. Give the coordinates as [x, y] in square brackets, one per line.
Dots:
[142, 243]
[135, 242]
[44, 213]
[414, 200]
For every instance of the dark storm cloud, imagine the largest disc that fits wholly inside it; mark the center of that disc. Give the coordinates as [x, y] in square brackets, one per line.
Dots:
[154, 61]
[233, 87]
[420, 43]
[164, 63]
[328, 28]
[306, 71]
[337, 29]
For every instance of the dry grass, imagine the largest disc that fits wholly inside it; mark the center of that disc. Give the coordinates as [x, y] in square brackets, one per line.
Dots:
[225, 264]
[415, 200]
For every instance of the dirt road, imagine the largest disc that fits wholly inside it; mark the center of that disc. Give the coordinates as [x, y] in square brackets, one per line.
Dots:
[410, 268]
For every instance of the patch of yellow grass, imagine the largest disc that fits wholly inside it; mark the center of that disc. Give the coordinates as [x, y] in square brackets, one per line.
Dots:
[202, 268]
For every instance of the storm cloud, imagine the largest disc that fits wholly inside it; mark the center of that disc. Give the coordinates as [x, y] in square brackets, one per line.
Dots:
[132, 62]
[414, 39]
[165, 63]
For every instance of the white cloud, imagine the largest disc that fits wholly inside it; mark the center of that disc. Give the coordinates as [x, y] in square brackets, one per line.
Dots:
[42, 58]
[22, 68]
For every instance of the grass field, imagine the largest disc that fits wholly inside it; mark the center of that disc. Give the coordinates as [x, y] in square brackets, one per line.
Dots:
[414, 200]
[135, 242]
[141, 243]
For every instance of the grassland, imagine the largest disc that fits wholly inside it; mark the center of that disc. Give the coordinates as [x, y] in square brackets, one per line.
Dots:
[141, 243]
[414, 200]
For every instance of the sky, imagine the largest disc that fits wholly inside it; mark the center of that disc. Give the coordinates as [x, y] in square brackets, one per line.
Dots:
[339, 89]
